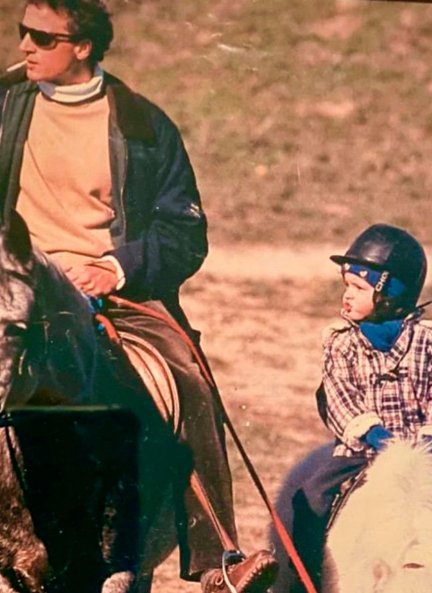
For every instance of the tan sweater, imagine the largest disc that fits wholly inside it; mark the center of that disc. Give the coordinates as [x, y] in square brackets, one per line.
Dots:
[65, 195]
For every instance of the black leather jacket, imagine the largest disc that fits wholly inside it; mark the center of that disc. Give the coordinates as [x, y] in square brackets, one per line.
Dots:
[160, 230]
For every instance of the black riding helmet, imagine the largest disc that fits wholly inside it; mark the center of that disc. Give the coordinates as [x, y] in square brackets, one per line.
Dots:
[395, 253]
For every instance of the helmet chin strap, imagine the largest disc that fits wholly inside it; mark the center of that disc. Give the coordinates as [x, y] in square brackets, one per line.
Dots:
[382, 282]
[420, 309]
[388, 307]
[382, 304]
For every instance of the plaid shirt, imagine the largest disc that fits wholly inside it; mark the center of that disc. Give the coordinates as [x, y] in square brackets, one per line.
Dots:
[365, 386]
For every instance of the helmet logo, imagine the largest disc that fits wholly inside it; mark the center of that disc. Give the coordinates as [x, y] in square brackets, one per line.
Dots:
[382, 281]
[346, 267]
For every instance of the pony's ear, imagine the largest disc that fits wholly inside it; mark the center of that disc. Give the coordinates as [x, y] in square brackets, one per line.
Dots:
[17, 237]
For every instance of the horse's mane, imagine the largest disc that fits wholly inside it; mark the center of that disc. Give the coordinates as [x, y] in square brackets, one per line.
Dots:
[53, 288]
[46, 327]
[16, 286]
[26, 273]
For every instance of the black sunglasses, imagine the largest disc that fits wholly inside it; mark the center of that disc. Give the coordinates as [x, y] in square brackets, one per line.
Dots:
[44, 39]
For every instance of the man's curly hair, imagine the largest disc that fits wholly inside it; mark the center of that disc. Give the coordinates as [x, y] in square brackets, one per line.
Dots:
[89, 19]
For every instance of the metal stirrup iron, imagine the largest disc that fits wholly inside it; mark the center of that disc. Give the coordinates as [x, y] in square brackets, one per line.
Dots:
[230, 557]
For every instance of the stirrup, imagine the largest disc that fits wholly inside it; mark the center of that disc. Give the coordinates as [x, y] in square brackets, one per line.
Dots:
[230, 557]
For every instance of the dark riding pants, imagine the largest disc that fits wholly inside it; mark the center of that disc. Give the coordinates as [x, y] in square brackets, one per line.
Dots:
[312, 504]
[203, 433]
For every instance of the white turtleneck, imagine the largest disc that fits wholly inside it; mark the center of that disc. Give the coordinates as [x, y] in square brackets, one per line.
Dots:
[74, 93]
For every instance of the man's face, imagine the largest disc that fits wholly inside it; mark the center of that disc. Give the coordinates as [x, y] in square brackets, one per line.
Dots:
[66, 62]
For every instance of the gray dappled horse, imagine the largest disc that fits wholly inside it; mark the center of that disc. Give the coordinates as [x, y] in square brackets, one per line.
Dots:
[69, 512]
[381, 539]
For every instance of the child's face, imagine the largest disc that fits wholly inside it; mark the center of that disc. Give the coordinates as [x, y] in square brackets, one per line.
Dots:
[357, 299]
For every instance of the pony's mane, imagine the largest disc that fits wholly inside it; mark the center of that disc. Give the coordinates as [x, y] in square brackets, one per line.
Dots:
[401, 471]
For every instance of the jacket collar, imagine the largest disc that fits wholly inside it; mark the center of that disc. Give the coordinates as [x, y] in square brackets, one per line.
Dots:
[129, 110]
[14, 76]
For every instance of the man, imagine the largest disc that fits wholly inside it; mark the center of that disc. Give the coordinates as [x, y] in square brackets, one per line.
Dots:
[103, 181]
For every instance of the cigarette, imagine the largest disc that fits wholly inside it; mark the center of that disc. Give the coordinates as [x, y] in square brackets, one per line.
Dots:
[15, 66]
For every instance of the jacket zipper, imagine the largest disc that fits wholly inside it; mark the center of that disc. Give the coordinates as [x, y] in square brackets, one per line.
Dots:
[122, 188]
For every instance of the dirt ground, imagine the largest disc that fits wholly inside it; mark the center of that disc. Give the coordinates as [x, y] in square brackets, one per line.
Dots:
[260, 313]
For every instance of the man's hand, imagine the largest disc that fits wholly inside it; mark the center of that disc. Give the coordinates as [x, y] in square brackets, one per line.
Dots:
[95, 279]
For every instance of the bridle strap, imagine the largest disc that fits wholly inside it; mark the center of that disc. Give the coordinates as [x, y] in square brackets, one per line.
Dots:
[196, 484]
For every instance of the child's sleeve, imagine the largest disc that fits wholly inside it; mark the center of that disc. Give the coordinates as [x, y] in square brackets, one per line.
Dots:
[426, 403]
[347, 415]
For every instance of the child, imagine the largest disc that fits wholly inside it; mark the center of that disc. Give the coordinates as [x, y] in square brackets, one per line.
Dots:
[377, 371]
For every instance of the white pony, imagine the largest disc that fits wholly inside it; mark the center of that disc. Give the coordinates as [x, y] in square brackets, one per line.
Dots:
[381, 541]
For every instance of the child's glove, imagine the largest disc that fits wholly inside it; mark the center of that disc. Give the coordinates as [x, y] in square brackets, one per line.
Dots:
[377, 436]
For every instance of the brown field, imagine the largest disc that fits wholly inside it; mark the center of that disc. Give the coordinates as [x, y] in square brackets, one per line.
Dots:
[306, 121]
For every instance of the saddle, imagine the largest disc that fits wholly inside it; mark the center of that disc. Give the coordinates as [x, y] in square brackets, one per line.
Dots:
[345, 491]
[155, 375]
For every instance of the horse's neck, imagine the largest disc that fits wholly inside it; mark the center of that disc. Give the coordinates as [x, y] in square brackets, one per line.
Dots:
[70, 345]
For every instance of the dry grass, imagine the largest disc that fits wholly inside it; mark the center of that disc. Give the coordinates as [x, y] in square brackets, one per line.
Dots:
[306, 121]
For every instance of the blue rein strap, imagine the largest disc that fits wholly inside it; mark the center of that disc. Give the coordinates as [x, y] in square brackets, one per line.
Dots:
[102, 323]
[95, 305]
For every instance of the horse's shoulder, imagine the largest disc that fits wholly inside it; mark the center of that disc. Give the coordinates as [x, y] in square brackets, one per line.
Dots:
[334, 329]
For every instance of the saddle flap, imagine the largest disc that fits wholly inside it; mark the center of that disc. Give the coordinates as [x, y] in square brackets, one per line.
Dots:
[155, 375]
